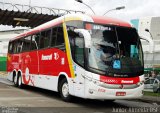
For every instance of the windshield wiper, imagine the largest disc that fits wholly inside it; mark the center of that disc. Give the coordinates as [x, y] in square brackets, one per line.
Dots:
[117, 45]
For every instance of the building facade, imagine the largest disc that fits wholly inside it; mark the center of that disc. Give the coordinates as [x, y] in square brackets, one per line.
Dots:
[149, 28]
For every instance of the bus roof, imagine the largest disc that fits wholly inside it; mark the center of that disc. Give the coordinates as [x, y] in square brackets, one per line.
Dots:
[111, 21]
[81, 17]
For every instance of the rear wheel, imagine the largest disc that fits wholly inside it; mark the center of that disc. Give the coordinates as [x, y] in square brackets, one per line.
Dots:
[15, 80]
[64, 90]
[19, 81]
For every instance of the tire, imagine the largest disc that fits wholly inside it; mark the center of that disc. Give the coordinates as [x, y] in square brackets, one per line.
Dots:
[19, 81]
[15, 80]
[64, 90]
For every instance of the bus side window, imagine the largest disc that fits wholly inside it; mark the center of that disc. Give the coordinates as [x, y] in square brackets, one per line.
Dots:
[45, 39]
[26, 44]
[57, 39]
[54, 36]
[10, 48]
[35, 41]
[60, 37]
[19, 46]
[15, 46]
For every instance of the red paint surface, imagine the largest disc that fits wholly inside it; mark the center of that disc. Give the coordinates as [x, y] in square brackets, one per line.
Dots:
[115, 80]
[108, 20]
[33, 60]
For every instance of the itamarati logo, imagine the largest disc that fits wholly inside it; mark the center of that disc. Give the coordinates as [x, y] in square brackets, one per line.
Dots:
[46, 57]
[127, 81]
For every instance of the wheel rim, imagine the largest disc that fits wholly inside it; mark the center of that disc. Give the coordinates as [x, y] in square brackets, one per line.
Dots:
[19, 80]
[65, 90]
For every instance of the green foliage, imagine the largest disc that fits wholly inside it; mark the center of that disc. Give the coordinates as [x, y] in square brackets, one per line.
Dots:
[147, 93]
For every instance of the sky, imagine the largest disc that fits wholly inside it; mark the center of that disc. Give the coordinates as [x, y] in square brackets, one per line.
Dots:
[133, 8]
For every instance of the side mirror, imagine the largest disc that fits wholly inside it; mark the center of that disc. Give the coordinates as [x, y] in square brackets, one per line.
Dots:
[86, 35]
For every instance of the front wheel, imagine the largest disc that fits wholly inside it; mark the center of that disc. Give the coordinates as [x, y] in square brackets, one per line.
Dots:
[64, 90]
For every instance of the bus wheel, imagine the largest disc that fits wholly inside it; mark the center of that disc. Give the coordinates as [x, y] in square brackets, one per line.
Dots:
[19, 81]
[15, 80]
[64, 90]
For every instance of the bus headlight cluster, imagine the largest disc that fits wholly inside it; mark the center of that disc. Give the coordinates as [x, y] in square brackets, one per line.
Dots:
[97, 82]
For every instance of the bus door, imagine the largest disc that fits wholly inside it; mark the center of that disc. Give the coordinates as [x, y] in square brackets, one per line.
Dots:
[79, 71]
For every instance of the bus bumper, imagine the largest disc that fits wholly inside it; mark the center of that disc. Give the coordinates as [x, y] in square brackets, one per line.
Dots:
[98, 92]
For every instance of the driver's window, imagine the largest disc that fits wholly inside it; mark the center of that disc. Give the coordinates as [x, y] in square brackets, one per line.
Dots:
[79, 50]
[147, 82]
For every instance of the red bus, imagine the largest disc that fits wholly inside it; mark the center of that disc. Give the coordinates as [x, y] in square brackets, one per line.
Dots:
[79, 55]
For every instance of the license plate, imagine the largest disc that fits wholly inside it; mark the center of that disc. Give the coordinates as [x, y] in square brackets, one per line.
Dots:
[120, 93]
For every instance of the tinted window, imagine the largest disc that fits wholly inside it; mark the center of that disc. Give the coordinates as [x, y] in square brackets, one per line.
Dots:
[79, 50]
[10, 47]
[19, 44]
[26, 44]
[35, 42]
[14, 47]
[57, 39]
[45, 39]
[149, 81]
[54, 36]
[60, 37]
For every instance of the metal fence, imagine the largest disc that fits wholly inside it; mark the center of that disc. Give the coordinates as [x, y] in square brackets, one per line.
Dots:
[36, 9]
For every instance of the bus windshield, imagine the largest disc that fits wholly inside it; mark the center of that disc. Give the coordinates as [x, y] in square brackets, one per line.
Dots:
[115, 50]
